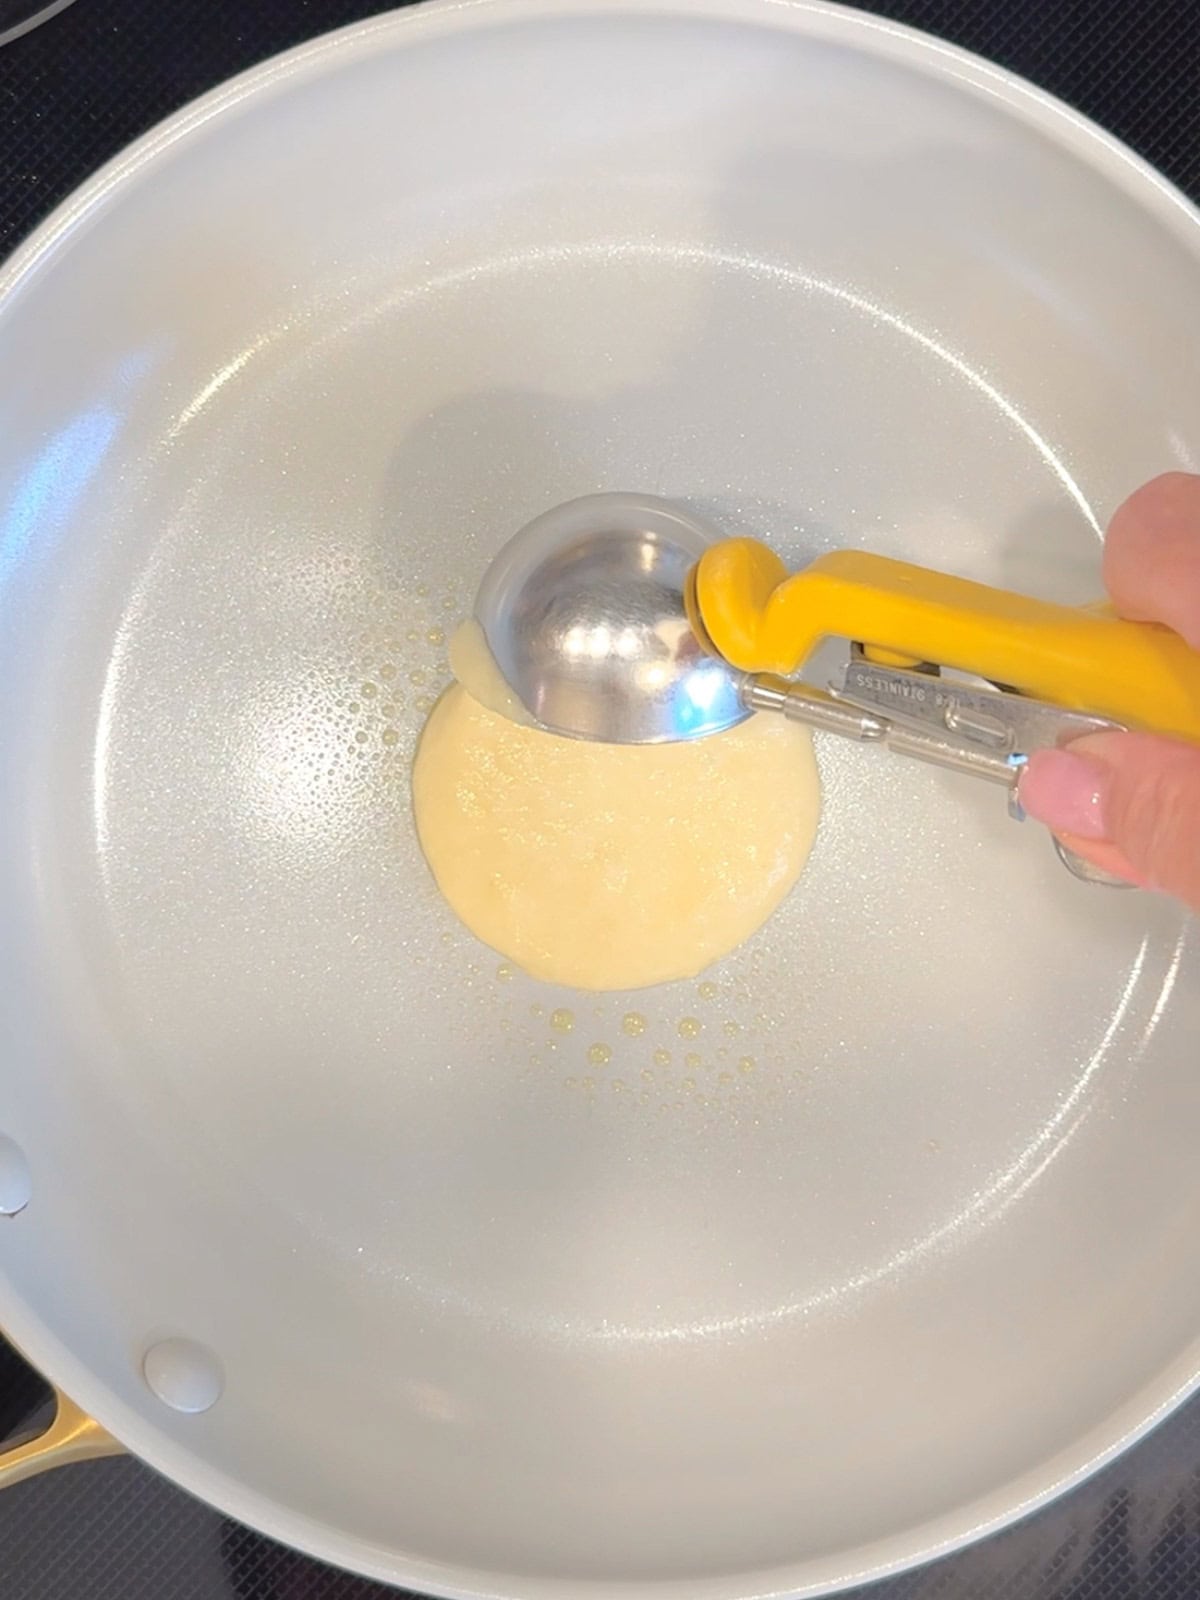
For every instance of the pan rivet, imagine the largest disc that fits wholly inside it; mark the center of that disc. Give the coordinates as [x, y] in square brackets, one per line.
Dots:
[183, 1374]
[15, 1183]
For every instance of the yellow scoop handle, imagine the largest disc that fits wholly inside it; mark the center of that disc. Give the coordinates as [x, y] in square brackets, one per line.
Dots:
[1084, 659]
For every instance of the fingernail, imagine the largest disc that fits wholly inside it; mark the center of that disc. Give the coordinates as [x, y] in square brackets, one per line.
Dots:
[1066, 792]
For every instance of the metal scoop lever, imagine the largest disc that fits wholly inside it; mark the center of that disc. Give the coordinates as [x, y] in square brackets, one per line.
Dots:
[984, 733]
[978, 733]
[967, 727]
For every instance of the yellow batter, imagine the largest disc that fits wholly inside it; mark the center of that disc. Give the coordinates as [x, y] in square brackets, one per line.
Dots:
[611, 866]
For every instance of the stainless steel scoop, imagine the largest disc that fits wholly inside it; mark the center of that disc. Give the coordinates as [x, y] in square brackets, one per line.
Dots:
[584, 614]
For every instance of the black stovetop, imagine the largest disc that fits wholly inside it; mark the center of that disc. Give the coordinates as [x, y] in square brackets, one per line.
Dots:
[72, 93]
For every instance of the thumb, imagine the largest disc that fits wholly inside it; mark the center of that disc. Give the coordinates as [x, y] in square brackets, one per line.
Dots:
[1128, 802]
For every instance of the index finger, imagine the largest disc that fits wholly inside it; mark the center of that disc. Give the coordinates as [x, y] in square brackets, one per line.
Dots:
[1152, 555]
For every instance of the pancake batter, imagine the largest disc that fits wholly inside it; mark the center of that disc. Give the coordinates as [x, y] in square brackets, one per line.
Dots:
[605, 866]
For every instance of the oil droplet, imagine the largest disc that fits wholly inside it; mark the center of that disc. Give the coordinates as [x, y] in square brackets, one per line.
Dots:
[690, 1027]
[647, 1075]
[353, 708]
[662, 1058]
[708, 991]
[387, 670]
[745, 1063]
[690, 1085]
[412, 636]
[534, 1059]
[368, 691]
[436, 636]
[725, 1077]
[562, 1020]
[568, 1083]
[537, 1010]
[618, 1086]
[417, 675]
[504, 973]
[425, 703]
[599, 1054]
[633, 1023]
[390, 736]
[421, 591]
[449, 603]
[731, 1027]
[447, 938]
[692, 1059]
[588, 1085]
[360, 737]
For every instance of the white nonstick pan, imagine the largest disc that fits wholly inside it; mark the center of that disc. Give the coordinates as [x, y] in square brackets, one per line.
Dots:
[880, 1235]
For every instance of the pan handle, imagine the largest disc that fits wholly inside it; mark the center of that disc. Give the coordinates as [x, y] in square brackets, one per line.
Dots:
[71, 1436]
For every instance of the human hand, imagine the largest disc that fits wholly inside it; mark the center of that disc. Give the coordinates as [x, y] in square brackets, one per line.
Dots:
[1130, 802]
